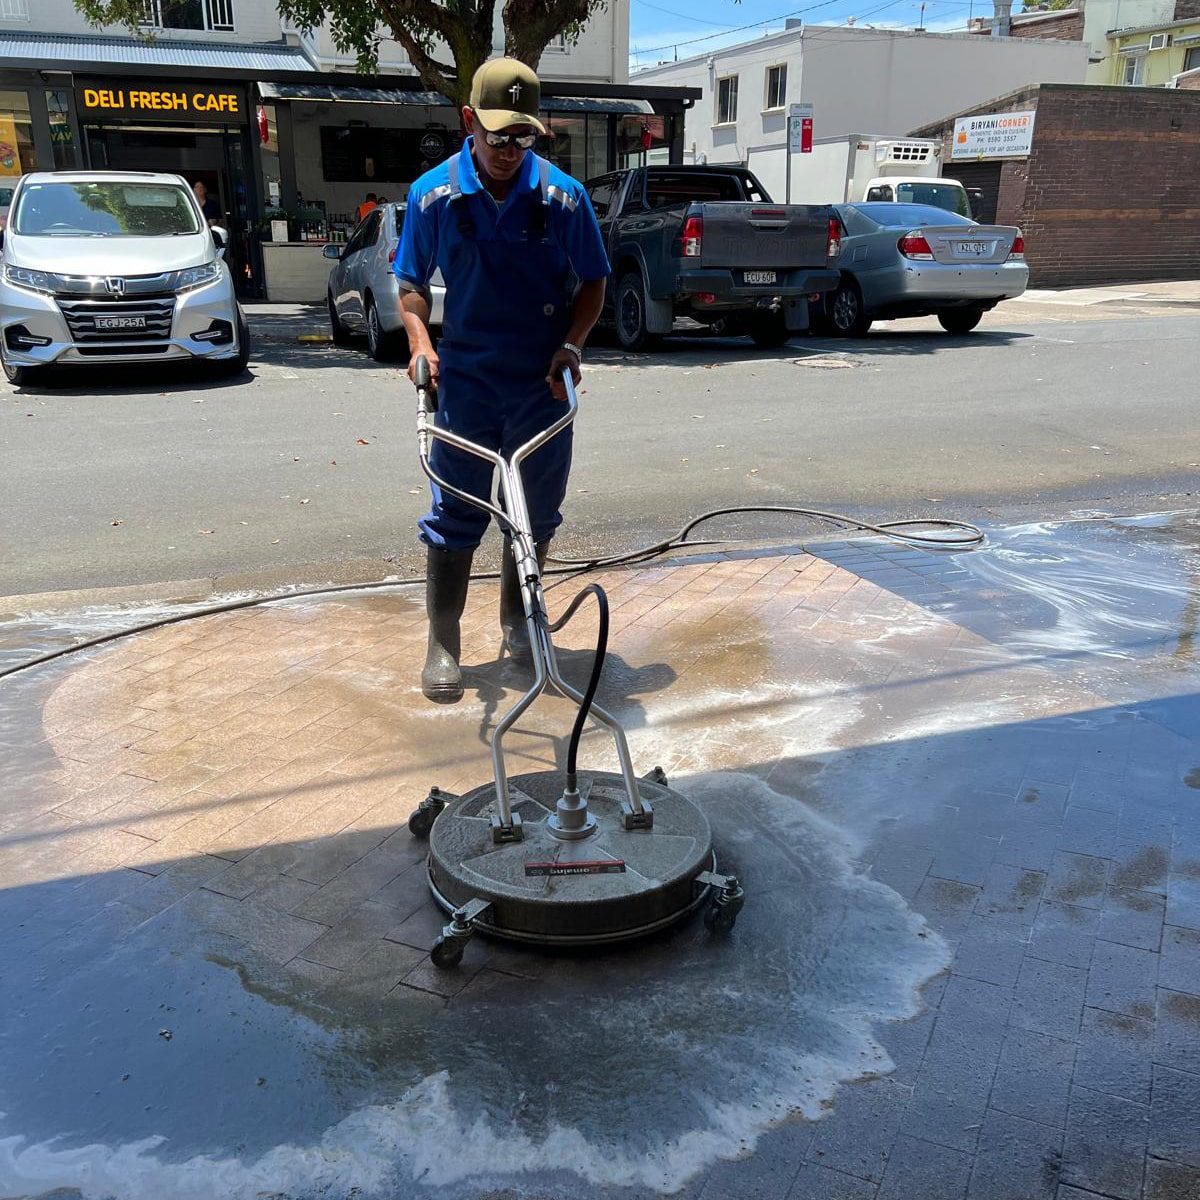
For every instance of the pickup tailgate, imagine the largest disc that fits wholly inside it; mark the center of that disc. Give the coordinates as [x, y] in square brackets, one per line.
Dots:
[740, 234]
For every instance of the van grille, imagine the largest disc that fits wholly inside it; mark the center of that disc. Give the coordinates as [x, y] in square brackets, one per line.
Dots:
[138, 319]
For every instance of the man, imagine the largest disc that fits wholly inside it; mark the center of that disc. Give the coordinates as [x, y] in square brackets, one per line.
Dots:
[369, 203]
[511, 235]
[208, 206]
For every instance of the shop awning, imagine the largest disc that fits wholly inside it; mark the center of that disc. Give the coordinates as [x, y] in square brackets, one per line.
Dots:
[66, 52]
[364, 95]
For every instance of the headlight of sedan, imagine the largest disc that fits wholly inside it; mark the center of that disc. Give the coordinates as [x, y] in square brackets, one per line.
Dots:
[194, 277]
[28, 278]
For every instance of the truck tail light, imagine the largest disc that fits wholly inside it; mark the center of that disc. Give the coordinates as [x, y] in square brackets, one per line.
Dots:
[693, 236]
[1018, 247]
[914, 245]
[833, 238]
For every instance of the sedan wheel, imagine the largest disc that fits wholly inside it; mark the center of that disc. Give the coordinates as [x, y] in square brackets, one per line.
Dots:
[847, 315]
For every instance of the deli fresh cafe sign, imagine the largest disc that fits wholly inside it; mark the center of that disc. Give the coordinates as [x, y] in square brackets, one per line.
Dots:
[192, 102]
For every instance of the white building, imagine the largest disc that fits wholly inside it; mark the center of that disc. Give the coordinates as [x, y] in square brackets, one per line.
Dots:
[884, 81]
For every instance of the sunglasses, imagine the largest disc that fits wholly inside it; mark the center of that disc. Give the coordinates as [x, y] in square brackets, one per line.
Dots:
[497, 141]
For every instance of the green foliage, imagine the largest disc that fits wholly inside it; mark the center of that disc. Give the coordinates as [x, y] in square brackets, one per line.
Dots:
[446, 41]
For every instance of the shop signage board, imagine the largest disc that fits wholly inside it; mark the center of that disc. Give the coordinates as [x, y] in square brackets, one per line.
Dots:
[993, 135]
[182, 103]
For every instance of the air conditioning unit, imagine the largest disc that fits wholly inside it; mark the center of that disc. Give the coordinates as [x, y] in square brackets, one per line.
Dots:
[1159, 41]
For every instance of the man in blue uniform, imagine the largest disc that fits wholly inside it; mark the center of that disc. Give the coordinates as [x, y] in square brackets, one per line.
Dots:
[524, 265]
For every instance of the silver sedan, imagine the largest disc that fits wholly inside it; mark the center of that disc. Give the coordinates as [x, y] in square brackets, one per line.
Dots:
[915, 260]
[363, 293]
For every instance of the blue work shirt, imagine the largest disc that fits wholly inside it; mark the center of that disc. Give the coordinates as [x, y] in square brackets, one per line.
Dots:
[508, 288]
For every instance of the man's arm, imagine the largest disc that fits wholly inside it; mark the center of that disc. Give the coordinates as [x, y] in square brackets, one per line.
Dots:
[413, 267]
[588, 303]
[414, 307]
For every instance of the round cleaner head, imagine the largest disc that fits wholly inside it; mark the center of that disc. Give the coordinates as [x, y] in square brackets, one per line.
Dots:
[609, 886]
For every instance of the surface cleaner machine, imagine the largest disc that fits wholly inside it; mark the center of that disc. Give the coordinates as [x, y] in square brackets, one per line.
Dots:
[559, 858]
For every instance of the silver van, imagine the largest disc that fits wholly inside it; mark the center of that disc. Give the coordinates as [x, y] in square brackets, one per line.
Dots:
[114, 266]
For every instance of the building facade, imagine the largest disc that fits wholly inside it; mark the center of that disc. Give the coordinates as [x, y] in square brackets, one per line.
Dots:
[1107, 191]
[856, 78]
[1154, 55]
[285, 136]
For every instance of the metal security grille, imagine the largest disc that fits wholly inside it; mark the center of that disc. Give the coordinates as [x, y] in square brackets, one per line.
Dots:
[14, 10]
[220, 14]
[187, 14]
[153, 312]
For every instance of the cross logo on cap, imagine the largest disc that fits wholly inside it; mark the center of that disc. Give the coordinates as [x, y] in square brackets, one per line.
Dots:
[515, 92]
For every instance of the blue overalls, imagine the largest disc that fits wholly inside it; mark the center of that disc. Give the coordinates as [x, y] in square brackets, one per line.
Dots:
[509, 272]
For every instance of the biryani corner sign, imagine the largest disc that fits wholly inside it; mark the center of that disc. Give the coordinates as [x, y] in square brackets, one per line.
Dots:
[993, 135]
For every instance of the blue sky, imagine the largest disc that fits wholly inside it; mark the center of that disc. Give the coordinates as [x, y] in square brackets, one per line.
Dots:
[657, 27]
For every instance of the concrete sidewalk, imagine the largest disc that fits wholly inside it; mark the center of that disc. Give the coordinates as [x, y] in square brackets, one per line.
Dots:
[968, 968]
[1177, 292]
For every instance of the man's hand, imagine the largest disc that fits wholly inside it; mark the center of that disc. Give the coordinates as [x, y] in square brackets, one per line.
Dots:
[429, 354]
[563, 360]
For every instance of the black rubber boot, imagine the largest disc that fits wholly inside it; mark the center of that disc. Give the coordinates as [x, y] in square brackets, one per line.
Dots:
[447, 574]
[512, 607]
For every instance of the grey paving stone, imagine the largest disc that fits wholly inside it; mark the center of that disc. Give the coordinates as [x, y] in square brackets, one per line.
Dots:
[1015, 1159]
[1064, 933]
[906, 1042]
[1170, 1181]
[766, 1174]
[348, 940]
[1105, 1147]
[1122, 978]
[1132, 917]
[921, 1168]
[284, 893]
[1011, 893]
[1066, 1192]
[1030, 846]
[951, 1094]
[1115, 1054]
[1177, 1030]
[420, 928]
[1086, 831]
[1077, 879]
[1041, 803]
[946, 905]
[966, 859]
[1175, 1116]
[1048, 998]
[1140, 864]
[1097, 790]
[816, 1182]
[902, 868]
[1183, 900]
[374, 973]
[857, 1138]
[990, 951]
[971, 1016]
[1179, 962]
[1033, 1078]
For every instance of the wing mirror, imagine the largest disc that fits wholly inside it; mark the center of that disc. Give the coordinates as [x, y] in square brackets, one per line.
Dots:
[332, 251]
[220, 240]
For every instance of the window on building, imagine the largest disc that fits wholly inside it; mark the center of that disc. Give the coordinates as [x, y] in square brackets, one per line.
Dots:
[14, 10]
[1133, 69]
[727, 90]
[1191, 59]
[16, 142]
[62, 135]
[776, 86]
[558, 43]
[188, 14]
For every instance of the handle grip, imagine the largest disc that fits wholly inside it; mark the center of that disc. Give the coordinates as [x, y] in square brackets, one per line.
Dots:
[421, 372]
[426, 392]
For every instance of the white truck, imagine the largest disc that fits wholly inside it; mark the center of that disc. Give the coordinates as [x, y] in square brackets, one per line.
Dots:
[861, 167]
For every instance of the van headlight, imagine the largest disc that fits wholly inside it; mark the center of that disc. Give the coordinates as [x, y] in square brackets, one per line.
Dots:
[194, 277]
[31, 280]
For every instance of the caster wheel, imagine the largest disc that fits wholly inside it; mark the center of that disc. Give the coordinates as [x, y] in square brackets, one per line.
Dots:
[446, 952]
[421, 822]
[719, 919]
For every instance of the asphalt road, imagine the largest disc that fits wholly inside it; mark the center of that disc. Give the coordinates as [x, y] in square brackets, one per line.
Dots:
[306, 471]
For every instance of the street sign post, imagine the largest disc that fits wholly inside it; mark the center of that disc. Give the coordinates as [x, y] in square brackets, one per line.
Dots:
[800, 139]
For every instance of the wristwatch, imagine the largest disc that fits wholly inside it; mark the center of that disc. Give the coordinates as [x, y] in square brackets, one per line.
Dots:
[574, 349]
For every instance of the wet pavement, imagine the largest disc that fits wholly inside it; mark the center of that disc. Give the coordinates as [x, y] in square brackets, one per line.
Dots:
[963, 792]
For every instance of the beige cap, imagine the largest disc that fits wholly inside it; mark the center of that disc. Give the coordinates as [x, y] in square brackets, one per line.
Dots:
[506, 92]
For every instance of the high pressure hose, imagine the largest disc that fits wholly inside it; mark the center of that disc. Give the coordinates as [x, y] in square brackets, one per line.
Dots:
[597, 667]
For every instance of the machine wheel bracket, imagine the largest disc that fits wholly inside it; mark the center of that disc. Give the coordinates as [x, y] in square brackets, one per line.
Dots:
[420, 822]
[728, 898]
[447, 950]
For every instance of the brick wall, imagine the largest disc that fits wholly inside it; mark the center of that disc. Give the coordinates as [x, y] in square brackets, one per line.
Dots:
[1066, 28]
[1111, 192]
[1191, 81]
[1186, 10]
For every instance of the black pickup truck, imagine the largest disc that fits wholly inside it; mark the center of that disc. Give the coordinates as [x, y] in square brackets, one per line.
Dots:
[707, 242]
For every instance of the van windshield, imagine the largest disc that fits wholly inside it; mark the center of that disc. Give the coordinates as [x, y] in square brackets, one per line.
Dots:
[105, 208]
[950, 196]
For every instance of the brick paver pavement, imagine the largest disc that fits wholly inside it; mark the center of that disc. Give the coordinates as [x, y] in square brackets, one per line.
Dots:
[202, 833]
